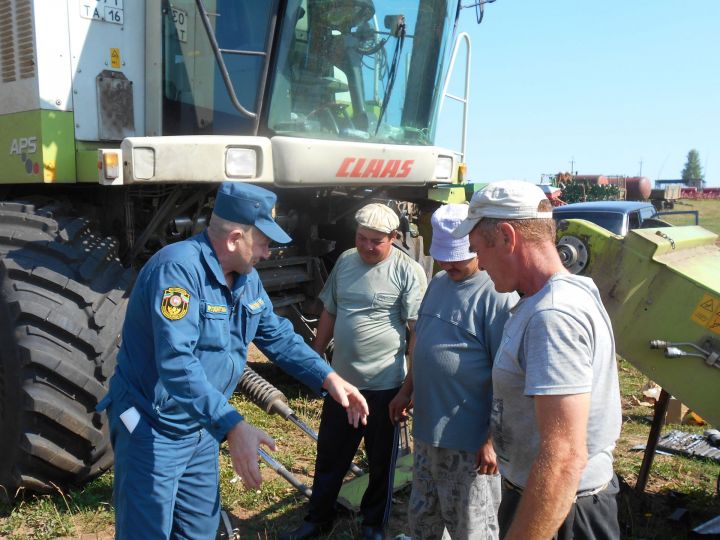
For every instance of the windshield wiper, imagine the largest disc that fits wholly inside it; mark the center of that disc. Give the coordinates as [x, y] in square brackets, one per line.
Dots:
[392, 72]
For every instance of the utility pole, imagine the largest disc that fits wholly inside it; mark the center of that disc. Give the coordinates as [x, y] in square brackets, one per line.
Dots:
[572, 166]
[640, 173]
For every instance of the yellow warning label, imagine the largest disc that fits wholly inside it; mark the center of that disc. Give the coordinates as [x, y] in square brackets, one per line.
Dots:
[714, 325]
[707, 313]
[115, 57]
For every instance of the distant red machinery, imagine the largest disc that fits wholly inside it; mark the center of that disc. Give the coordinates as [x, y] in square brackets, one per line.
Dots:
[634, 188]
[553, 193]
[638, 188]
[694, 193]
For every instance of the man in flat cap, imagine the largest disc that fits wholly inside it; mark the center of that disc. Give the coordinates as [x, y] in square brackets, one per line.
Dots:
[371, 301]
[556, 400]
[195, 308]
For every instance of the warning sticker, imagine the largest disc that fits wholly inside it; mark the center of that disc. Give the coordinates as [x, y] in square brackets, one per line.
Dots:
[115, 57]
[707, 313]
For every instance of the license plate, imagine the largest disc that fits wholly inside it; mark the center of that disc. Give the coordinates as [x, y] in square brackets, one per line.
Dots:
[179, 18]
[103, 10]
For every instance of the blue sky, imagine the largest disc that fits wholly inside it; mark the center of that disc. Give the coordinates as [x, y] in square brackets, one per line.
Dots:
[607, 84]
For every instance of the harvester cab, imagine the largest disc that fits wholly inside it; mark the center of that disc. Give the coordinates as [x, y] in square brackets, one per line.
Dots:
[313, 78]
[120, 117]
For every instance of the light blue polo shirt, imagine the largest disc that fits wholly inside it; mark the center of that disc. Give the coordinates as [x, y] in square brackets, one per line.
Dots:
[457, 334]
[372, 304]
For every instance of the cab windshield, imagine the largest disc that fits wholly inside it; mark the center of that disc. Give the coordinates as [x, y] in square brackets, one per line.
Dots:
[612, 221]
[361, 70]
[336, 69]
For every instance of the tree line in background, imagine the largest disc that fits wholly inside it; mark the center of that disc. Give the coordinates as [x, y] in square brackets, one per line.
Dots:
[692, 173]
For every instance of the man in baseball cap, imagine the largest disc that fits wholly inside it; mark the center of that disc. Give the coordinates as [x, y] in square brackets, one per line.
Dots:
[556, 400]
[250, 205]
[196, 306]
[505, 200]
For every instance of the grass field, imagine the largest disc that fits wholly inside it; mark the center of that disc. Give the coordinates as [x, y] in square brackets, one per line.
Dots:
[709, 212]
[676, 482]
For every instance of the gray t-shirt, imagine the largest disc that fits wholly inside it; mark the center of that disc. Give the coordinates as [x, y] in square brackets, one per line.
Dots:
[558, 341]
[457, 333]
[372, 304]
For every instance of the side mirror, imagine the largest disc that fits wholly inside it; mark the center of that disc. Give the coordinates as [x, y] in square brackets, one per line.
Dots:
[395, 24]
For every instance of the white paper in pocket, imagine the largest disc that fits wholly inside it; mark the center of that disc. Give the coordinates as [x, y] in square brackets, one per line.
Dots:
[130, 418]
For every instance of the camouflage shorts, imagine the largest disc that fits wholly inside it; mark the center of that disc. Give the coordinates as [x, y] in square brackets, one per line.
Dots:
[449, 499]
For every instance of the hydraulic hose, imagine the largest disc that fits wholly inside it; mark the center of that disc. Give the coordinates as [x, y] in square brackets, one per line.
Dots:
[273, 401]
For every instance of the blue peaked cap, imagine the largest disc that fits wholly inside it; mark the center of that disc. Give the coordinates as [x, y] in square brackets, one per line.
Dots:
[250, 205]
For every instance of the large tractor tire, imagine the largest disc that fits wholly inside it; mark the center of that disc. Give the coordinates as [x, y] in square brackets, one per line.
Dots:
[414, 247]
[63, 295]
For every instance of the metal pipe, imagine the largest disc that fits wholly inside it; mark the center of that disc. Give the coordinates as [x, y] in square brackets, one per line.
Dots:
[229, 86]
[658, 418]
[282, 471]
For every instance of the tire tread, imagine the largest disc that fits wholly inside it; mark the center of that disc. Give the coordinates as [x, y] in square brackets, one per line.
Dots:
[65, 293]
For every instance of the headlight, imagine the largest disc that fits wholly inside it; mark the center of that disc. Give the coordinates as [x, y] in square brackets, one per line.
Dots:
[444, 168]
[143, 162]
[241, 162]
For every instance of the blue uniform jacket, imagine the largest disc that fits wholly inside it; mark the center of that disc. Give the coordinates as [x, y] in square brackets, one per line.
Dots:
[185, 340]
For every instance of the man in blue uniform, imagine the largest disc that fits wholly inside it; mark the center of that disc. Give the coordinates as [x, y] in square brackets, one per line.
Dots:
[194, 310]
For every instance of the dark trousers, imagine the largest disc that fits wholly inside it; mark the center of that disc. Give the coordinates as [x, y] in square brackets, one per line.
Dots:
[338, 442]
[590, 517]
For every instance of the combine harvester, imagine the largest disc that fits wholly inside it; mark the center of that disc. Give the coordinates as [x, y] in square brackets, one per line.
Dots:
[661, 287]
[118, 119]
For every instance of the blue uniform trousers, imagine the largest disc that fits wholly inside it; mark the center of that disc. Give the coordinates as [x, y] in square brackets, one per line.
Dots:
[164, 488]
[338, 442]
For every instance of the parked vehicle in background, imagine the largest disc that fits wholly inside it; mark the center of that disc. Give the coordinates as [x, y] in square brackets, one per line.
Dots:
[618, 217]
[665, 197]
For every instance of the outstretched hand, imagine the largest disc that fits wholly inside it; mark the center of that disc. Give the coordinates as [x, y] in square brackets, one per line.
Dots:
[349, 397]
[243, 443]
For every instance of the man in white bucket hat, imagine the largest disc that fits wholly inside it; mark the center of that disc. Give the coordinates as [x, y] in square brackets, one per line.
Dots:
[455, 482]
[556, 399]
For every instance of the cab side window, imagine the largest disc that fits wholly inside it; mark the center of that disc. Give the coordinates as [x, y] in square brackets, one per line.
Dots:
[633, 220]
[648, 213]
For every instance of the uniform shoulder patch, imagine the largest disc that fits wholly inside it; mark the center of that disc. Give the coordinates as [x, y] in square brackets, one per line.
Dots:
[175, 303]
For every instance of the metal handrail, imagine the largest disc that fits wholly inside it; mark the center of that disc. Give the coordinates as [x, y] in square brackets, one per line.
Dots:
[465, 100]
[218, 52]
